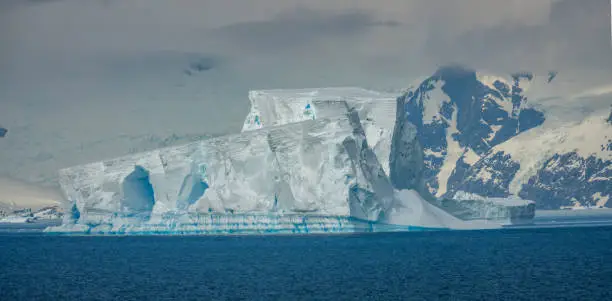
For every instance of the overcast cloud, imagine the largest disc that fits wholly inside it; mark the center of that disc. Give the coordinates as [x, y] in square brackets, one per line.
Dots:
[79, 76]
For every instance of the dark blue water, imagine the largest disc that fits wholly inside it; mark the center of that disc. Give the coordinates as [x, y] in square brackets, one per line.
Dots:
[511, 264]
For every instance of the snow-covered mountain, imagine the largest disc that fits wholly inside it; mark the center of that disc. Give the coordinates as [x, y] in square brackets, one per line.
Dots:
[500, 136]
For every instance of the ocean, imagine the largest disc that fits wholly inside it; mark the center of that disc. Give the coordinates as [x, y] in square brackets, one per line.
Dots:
[572, 263]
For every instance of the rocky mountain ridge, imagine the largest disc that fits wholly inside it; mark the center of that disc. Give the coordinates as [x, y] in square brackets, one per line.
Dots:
[484, 135]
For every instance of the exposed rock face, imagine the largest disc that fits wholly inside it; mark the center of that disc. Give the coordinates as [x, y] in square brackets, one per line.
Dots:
[406, 158]
[567, 180]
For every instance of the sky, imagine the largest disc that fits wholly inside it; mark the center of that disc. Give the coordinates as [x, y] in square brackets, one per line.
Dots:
[85, 80]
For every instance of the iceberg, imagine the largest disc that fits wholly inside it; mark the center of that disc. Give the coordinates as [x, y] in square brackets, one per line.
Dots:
[470, 206]
[302, 170]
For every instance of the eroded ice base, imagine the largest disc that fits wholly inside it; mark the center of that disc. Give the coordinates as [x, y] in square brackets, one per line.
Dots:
[241, 224]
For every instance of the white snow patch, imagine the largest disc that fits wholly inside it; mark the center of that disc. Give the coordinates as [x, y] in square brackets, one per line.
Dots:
[453, 153]
[470, 156]
[600, 199]
[433, 102]
[495, 129]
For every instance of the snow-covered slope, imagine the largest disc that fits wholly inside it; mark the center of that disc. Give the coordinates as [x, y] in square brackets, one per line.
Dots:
[564, 166]
[501, 136]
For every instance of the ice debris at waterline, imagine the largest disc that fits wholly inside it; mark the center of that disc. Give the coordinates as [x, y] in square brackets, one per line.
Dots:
[322, 170]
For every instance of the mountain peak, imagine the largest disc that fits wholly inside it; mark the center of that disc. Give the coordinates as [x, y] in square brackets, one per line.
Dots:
[461, 115]
[455, 72]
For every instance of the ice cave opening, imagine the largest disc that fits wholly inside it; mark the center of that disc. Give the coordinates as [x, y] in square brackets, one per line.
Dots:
[192, 190]
[138, 196]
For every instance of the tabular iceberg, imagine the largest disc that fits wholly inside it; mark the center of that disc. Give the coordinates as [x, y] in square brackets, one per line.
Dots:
[255, 181]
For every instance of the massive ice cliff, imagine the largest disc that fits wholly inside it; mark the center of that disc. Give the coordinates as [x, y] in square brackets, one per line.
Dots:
[268, 180]
[304, 166]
